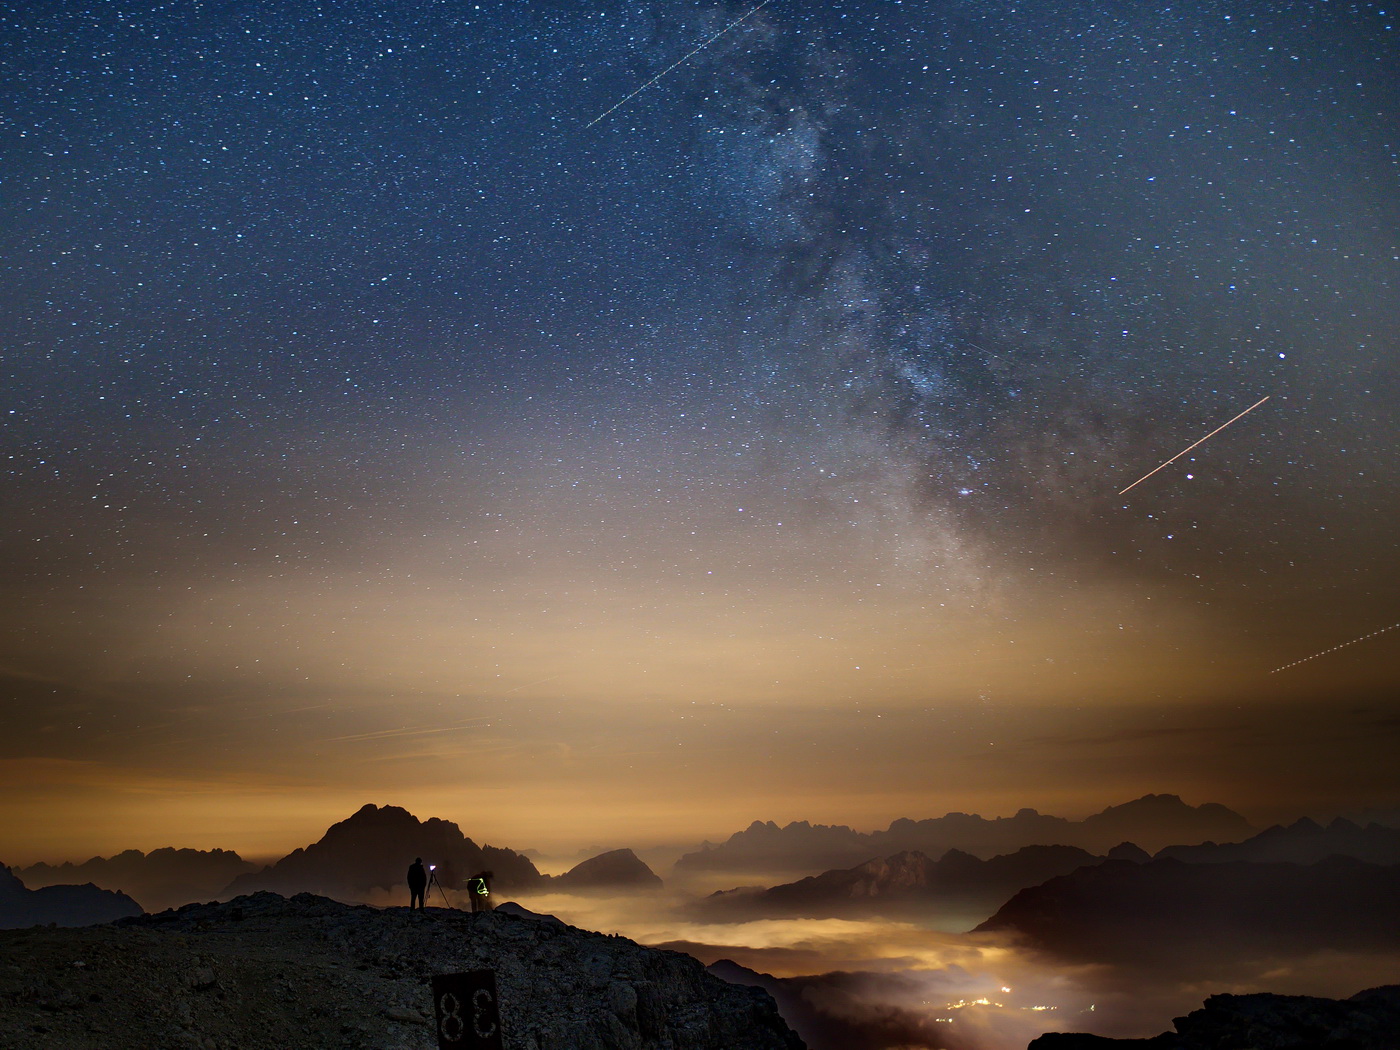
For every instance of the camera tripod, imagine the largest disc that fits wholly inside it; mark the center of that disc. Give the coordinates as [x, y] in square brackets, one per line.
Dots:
[433, 881]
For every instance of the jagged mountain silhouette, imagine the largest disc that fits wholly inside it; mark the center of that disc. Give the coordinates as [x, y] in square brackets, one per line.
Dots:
[371, 850]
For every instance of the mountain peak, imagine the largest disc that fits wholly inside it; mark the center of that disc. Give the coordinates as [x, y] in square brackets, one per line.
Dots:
[1152, 802]
[10, 883]
[1129, 851]
[372, 849]
[369, 813]
[619, 867]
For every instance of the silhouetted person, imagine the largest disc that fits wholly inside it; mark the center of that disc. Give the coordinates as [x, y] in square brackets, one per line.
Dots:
[479, 890]
[417, 883]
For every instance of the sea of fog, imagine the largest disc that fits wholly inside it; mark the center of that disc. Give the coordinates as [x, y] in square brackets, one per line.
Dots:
[874, 984]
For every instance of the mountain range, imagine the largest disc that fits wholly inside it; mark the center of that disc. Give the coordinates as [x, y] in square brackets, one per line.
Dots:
[912, 882]
[163, 878]
[369, 852]
[1152, 822]
[1168, 912]
[1302, 842]
[365, 854]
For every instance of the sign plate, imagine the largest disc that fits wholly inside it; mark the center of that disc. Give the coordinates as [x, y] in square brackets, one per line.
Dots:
[468, 1016]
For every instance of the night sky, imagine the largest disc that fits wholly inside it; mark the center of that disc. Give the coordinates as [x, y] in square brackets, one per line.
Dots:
[380, 425]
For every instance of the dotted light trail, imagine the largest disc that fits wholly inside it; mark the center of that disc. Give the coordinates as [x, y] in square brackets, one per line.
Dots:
[1334, 648]
[682, 61]
[1188, 448]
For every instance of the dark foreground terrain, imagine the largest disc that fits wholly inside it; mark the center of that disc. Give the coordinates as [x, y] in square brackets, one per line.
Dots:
[1369, 1020]
[263, 972]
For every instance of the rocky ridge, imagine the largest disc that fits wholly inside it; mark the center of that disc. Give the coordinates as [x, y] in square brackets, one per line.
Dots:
[163, 878]
[910, 880]
[1369, 1020]
[1152, 822]
[263, 972]
[60, 905]
[1302, 842]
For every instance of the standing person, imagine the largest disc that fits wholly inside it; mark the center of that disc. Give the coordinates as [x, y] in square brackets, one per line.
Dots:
[479, 889]
[417, 883]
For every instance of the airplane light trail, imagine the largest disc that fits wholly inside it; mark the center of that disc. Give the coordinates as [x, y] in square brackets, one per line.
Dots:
[1188, 448]
[1334, 648]
[682, 61]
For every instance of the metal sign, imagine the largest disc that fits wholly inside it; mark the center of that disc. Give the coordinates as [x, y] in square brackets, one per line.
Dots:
[468, 1017]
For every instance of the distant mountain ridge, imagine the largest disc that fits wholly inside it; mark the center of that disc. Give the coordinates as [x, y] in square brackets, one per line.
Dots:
[87, 905]
[1302, 842]
[908, 881]
[163, 878]
[912, 881]
[369, 851]
[373, 848]
[1152, 822]
[1168, 911]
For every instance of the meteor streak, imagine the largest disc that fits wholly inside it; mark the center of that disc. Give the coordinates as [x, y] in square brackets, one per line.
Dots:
[1334, 648]
[682, 61]
[1188, 448]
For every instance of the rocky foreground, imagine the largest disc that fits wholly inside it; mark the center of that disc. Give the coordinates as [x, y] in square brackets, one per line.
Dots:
[1369, 1020]
[263, 972]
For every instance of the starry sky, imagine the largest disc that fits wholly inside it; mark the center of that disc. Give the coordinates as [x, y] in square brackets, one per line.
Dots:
[399, 405]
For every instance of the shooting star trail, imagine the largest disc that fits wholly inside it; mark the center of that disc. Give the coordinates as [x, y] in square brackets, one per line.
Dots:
[1334, 648]
[1188, 448]
[687, 58]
